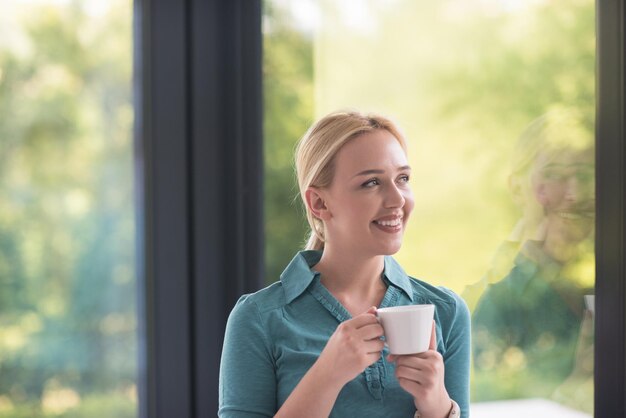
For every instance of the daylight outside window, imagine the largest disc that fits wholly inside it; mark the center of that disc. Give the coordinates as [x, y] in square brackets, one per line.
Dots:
[497, 99]
[68, 325]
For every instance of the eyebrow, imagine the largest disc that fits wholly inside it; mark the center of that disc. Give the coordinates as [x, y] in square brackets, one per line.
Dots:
[576, 165]
[378, 171]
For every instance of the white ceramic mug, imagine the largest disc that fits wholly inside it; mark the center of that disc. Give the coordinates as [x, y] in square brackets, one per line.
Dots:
[407, 328]
[590, 303]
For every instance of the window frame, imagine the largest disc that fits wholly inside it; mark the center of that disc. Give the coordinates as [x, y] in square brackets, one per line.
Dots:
[198, 81]
[200, 235]
[610, 317]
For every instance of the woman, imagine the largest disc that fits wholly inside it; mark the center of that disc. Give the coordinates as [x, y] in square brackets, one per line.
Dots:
[310, 345]
[531, 301]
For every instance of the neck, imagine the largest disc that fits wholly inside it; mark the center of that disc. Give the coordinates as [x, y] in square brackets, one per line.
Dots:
[354, 281]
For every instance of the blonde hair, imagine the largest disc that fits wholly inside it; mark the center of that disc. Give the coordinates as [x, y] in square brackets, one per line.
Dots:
[552, 133]
[315, 154]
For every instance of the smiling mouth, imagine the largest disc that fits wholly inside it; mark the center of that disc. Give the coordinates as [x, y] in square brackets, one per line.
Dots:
[574, 216]
[390, 223]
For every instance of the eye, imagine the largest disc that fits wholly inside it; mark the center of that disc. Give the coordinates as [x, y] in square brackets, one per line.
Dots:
[555, 175]
[403, 178]
[371, 183]
[585, 177]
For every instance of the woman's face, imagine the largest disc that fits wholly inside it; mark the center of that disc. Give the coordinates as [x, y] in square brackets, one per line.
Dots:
[564, 187]
[369, 200]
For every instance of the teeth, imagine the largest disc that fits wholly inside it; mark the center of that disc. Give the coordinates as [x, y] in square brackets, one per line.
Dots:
[569, 215]
[394, 222]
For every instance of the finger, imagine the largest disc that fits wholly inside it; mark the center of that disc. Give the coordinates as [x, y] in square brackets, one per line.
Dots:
[403, 372]
[370, 331]
[433, 338]
[372, 310]
[404, 357]
[372, 357]
[362, 320]
[422, 361]
[412, 361]
[586, 328]
[374, 346]
[409, 386]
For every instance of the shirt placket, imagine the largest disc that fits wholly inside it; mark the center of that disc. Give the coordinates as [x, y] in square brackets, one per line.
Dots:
[376, 373]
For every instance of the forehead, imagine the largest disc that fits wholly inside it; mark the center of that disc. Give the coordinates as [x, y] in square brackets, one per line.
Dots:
[378, 149]
[565, 158]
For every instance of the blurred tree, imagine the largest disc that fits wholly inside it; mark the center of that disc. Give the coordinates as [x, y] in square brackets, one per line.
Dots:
[509, 70]
[465, 77]
[67, 288]
[520, 66]
[288, 112]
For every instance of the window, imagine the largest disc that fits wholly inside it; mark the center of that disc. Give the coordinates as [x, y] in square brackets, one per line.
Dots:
[68, 311]
[68, 321]
[497, 99]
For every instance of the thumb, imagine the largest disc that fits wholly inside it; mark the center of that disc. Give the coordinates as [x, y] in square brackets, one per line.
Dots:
[433, 338]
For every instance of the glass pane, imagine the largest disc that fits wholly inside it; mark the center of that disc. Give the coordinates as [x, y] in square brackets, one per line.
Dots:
[68, 325]
[288, 112]
[497, 99]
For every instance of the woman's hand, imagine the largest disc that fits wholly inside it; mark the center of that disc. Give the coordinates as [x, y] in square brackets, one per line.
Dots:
[422, 375]
[354, 346]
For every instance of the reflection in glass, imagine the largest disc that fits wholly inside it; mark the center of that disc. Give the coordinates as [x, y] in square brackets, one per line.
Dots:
[68, 342]
[497, 99]
[532, 333]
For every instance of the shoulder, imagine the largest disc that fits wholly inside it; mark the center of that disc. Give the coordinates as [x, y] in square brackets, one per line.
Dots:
[249, 318]
[425, 292]
[449, 305]
[260, 302]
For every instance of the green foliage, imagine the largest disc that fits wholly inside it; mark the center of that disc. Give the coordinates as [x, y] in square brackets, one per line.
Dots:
[509, 70]
[67, 294]
[288, 100]
[104, 405]
[464, 78]
[67, 291]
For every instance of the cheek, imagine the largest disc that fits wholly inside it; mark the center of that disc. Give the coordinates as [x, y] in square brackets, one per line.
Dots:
[548, 193]
[409, 203]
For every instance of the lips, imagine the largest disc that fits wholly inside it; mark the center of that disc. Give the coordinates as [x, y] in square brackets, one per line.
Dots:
[391, 222]
[574, 216]
[576, 212]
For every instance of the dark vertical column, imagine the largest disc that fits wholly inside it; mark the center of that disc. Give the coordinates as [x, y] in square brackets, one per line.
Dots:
[199, 190]
[163, 142]
[610, 348]
[227, 160]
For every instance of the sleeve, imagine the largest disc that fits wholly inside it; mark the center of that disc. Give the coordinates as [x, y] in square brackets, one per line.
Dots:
[247, 382]
[457, 357]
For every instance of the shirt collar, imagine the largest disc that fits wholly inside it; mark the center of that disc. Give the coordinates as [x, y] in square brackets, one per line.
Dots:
[298, 275]
[397, 277]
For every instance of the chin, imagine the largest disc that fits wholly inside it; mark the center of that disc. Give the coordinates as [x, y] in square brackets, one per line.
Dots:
[389, 249]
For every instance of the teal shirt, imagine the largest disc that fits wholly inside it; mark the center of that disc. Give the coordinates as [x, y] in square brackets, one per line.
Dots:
[275, 335]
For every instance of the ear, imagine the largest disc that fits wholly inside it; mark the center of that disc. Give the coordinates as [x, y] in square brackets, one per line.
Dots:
[517, 189]
[316, 203]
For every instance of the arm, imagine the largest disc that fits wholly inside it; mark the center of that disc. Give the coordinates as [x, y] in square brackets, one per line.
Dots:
[247, 382]
[457, 357]
[354, 346]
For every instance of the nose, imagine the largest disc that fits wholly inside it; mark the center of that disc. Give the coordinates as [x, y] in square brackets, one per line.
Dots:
[572, 189]
[394, 198]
